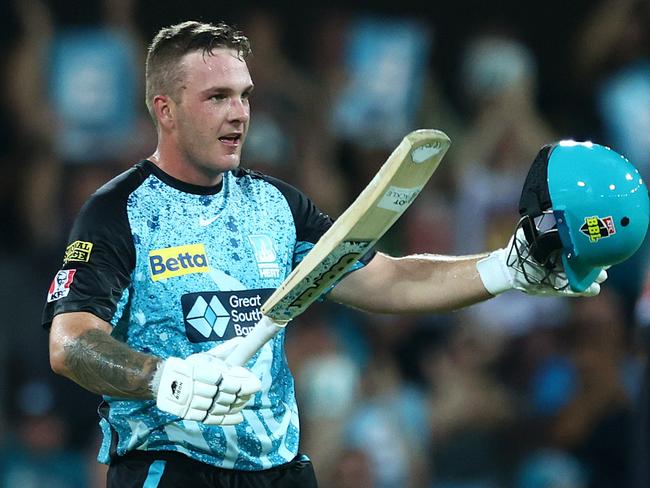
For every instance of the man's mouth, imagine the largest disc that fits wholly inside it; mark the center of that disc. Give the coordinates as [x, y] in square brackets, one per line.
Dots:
[231, 139]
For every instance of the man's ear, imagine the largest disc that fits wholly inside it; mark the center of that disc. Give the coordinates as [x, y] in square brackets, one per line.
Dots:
[165, 110]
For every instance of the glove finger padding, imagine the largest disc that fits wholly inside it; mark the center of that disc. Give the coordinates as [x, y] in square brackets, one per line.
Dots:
[602, 276]
[201, 403]
[241, 402]
[206, 390]
[594, 288]
[249, 383]
[238, 387]
[218, 409]
[234, 407]
[195, 414]
[224, 398]
[240, 381]
[230, 419]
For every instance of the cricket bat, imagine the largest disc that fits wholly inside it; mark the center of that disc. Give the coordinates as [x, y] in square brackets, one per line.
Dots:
[397, 183]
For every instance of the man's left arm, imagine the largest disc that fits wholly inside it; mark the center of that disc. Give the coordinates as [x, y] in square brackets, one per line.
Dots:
[431, 283]
[419, 283]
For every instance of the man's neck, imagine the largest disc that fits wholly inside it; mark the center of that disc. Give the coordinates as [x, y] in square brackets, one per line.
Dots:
[174, 164]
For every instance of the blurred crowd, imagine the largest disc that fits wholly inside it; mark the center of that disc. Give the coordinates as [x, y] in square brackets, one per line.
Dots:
[517, 392]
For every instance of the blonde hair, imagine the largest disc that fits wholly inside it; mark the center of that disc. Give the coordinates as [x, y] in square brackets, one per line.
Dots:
[163, 71]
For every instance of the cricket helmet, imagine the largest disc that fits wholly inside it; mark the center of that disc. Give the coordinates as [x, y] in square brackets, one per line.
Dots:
[583, 204]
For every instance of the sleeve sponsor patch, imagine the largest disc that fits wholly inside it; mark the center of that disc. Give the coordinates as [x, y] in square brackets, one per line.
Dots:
[60, 286]
[78, 251]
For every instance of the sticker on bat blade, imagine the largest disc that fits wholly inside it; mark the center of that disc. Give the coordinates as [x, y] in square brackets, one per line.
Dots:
[596, 228]
[421, 153]
[397, 199]
[332, 268]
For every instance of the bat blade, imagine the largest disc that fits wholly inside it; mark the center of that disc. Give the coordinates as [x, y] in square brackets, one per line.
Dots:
[395, 186]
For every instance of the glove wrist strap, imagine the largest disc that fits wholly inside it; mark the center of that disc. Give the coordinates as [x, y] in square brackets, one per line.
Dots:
[494, 272]
[154, 384]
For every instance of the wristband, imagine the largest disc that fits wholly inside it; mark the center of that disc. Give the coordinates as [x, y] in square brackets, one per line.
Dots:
[494, 272]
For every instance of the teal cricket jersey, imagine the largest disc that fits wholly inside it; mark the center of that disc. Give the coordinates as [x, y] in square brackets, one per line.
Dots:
[176, 269]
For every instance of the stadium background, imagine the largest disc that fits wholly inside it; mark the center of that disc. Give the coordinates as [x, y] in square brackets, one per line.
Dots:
[518, 392]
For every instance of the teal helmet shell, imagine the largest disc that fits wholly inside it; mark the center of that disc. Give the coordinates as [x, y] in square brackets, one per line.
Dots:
[600, 204]
[601, 207]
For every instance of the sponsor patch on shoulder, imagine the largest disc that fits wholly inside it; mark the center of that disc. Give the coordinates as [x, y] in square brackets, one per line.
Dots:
[60, 286]
[78, 251]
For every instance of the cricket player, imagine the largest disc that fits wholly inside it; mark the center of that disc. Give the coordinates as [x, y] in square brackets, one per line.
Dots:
[168, 263]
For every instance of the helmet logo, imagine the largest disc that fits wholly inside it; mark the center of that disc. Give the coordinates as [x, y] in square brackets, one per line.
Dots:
[596, 228]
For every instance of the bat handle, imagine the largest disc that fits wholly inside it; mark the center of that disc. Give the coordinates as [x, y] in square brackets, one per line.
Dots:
[265, 330]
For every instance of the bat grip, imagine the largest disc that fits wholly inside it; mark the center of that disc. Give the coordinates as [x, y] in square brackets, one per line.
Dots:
[265, 330]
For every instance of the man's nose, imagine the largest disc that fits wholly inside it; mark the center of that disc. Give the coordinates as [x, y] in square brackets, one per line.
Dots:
[239, 110]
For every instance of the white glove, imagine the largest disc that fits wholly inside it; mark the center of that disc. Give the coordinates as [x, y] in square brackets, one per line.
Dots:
[236, 390]
[203, 387]
[503, 270]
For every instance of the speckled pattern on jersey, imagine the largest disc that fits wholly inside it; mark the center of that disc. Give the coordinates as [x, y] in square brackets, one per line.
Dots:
[241, 238]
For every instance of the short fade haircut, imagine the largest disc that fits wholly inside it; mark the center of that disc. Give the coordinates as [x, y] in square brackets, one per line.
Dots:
[163, 73]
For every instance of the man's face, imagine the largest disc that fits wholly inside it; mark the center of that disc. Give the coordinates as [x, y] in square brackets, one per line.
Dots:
[213, 113]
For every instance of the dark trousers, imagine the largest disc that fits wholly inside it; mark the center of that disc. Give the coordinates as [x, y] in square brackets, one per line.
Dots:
[152, 469]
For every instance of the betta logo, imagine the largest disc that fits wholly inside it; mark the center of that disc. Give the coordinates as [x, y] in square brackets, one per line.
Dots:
[178, 261]
[596, 228]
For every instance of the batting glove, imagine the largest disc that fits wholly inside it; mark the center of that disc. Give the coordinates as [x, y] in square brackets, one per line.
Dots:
[514, 268]
[236, 390]
[204, 388]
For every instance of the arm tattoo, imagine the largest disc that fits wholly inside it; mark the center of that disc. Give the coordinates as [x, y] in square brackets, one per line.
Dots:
[106, 366]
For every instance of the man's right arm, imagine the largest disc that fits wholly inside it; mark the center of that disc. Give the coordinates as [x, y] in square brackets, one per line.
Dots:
[82, 349]
[200, 387]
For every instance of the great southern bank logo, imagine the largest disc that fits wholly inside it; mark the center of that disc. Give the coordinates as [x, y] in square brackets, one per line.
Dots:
[220, 315]
[178, 261]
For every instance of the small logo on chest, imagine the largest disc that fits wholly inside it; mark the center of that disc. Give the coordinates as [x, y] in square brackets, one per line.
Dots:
[205, 221]
[265, 255]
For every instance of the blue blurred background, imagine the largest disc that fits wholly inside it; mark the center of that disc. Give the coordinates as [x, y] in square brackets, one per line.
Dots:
[516, 392]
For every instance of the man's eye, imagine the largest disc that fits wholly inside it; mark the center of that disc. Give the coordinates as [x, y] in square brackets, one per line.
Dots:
[218, 98]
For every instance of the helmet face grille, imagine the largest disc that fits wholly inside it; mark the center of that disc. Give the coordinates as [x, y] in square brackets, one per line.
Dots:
[537, 255]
